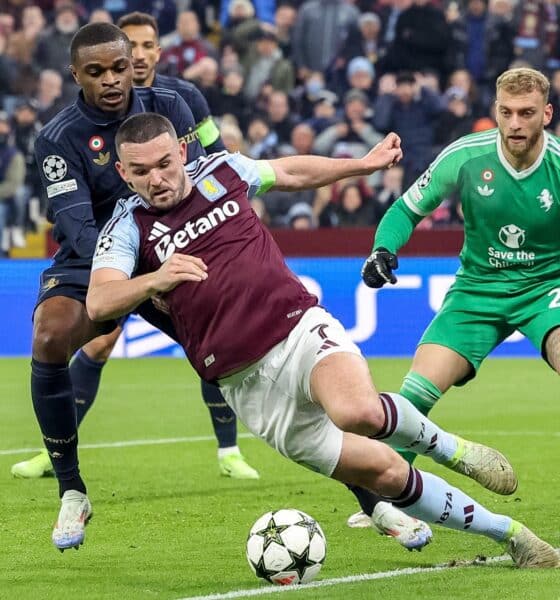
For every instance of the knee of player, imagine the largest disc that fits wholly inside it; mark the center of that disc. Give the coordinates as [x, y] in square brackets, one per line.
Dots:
[364, 418]
[51, 342]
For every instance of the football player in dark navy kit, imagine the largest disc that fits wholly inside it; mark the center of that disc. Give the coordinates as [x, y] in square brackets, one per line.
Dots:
[75, 154]
[86, 366]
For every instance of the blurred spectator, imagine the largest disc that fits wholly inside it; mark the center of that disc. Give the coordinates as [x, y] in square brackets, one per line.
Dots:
[229, 59]
[262, 142]
[360, 75]
[321, 27]
[461, 78]
[100, 15]
[26, 128]
[300, 216]
[389, 190]
[304, 96]
[352, 136]
[363, 39]
[8, 71]
[355, 208]
[264, 10]
[537, 36]
[281, 119]
[204, 74]
[53, 47]
[264, 63]
[284, 21]
[241, 26]
[232, 136]
[422, 37]
[483, 124]
[22, 42]
[230, 98]
[188, 48]
[302, 141]
[7, 22]
[554, 98]
[324, 111]
[456, 120]
[12, 176]
[49, 95]
[410, 111]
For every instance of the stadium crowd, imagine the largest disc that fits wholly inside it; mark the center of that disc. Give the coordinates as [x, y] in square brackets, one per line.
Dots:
[327, 77]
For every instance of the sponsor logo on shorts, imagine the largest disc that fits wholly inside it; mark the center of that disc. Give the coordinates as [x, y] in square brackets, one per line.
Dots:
[50, 284]
[320, 329]
[210, 359]
[55, 189]
[54, 167]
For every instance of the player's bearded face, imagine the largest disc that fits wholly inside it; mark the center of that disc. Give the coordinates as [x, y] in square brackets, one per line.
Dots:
[521, 121]
[155, 170]
[145, 52]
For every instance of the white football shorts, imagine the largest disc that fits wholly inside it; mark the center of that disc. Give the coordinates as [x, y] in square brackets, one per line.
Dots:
[272, 397]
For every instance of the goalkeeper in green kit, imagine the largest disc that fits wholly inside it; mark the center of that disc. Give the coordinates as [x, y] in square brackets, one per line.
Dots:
[508, 183]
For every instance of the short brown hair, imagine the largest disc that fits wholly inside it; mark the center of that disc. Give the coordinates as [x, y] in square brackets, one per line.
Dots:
[143, 127]
[138, 18]
[523, 80]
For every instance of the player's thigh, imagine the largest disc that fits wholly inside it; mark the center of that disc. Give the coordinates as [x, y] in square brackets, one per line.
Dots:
[469, 324]
[540, 317]
[60, 326]
[371, 464]
[441, 365]
[341, 383]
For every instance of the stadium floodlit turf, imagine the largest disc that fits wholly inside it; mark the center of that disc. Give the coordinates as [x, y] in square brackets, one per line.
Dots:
[167, 526]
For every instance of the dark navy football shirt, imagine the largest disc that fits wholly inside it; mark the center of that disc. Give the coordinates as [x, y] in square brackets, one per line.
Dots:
[75, 154]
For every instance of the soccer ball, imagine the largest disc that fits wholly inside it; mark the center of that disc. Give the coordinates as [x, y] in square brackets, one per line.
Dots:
[286, 547]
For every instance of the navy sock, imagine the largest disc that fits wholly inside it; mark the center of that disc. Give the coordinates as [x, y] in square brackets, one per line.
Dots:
[53, 401]
[223, 417]
[85, 374]
[367, 500]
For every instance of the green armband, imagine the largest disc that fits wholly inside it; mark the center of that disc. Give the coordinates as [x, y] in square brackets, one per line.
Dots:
[208, 132]
[266, 175]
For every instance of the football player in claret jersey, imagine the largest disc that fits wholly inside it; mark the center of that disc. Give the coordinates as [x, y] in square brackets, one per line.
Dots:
[508, 182]
[291, 373]
[76, 157]
[86, 367]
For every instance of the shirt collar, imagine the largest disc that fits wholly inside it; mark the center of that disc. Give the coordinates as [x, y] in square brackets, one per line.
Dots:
[101, 118]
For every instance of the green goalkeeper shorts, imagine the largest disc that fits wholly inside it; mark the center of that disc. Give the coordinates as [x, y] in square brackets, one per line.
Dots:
[474, 319]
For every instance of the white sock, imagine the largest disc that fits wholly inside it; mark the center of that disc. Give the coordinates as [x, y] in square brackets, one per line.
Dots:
[408, 429]
[226, 451]
[432, 499]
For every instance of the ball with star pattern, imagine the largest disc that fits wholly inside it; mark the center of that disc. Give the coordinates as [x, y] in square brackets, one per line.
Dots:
[286, 547]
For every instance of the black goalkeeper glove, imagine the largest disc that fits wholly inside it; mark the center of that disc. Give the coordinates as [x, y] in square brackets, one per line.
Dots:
[378, 268]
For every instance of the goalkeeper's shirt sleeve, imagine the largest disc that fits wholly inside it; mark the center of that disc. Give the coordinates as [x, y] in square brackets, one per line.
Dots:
[396, 227]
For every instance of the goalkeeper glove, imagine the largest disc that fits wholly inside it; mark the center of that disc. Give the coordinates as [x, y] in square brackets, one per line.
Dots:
[378, 268]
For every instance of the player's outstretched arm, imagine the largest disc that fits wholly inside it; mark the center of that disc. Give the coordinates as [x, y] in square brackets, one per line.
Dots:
[112, 294]
[302, 172]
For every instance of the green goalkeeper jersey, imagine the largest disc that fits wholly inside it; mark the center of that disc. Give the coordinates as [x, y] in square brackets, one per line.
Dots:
[512, 218]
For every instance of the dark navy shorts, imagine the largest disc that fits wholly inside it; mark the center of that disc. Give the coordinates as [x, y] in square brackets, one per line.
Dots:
[72, 281]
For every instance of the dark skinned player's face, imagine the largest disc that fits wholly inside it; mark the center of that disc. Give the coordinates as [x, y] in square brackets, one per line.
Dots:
[104, 72]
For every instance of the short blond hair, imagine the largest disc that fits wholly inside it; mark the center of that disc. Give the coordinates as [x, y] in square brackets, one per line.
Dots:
[523, 80]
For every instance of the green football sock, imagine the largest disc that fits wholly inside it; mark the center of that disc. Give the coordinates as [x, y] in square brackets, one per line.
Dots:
[423, 394]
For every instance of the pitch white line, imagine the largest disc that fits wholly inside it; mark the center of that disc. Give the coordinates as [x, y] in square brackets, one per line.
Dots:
[343, 580]
[129, 443]
[208, 438]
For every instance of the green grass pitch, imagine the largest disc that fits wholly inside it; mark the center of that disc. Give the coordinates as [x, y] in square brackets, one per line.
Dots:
[167, 526]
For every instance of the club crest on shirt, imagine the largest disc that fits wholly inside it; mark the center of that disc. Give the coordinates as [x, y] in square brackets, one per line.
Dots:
[96, 143]
[211, 188]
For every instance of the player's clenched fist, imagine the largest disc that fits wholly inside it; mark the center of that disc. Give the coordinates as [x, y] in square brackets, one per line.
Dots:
[378, 268]
[177, 269]
[385, 154]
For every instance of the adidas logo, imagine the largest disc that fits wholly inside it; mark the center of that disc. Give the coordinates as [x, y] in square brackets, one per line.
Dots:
[485, 190]
[158, 229]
